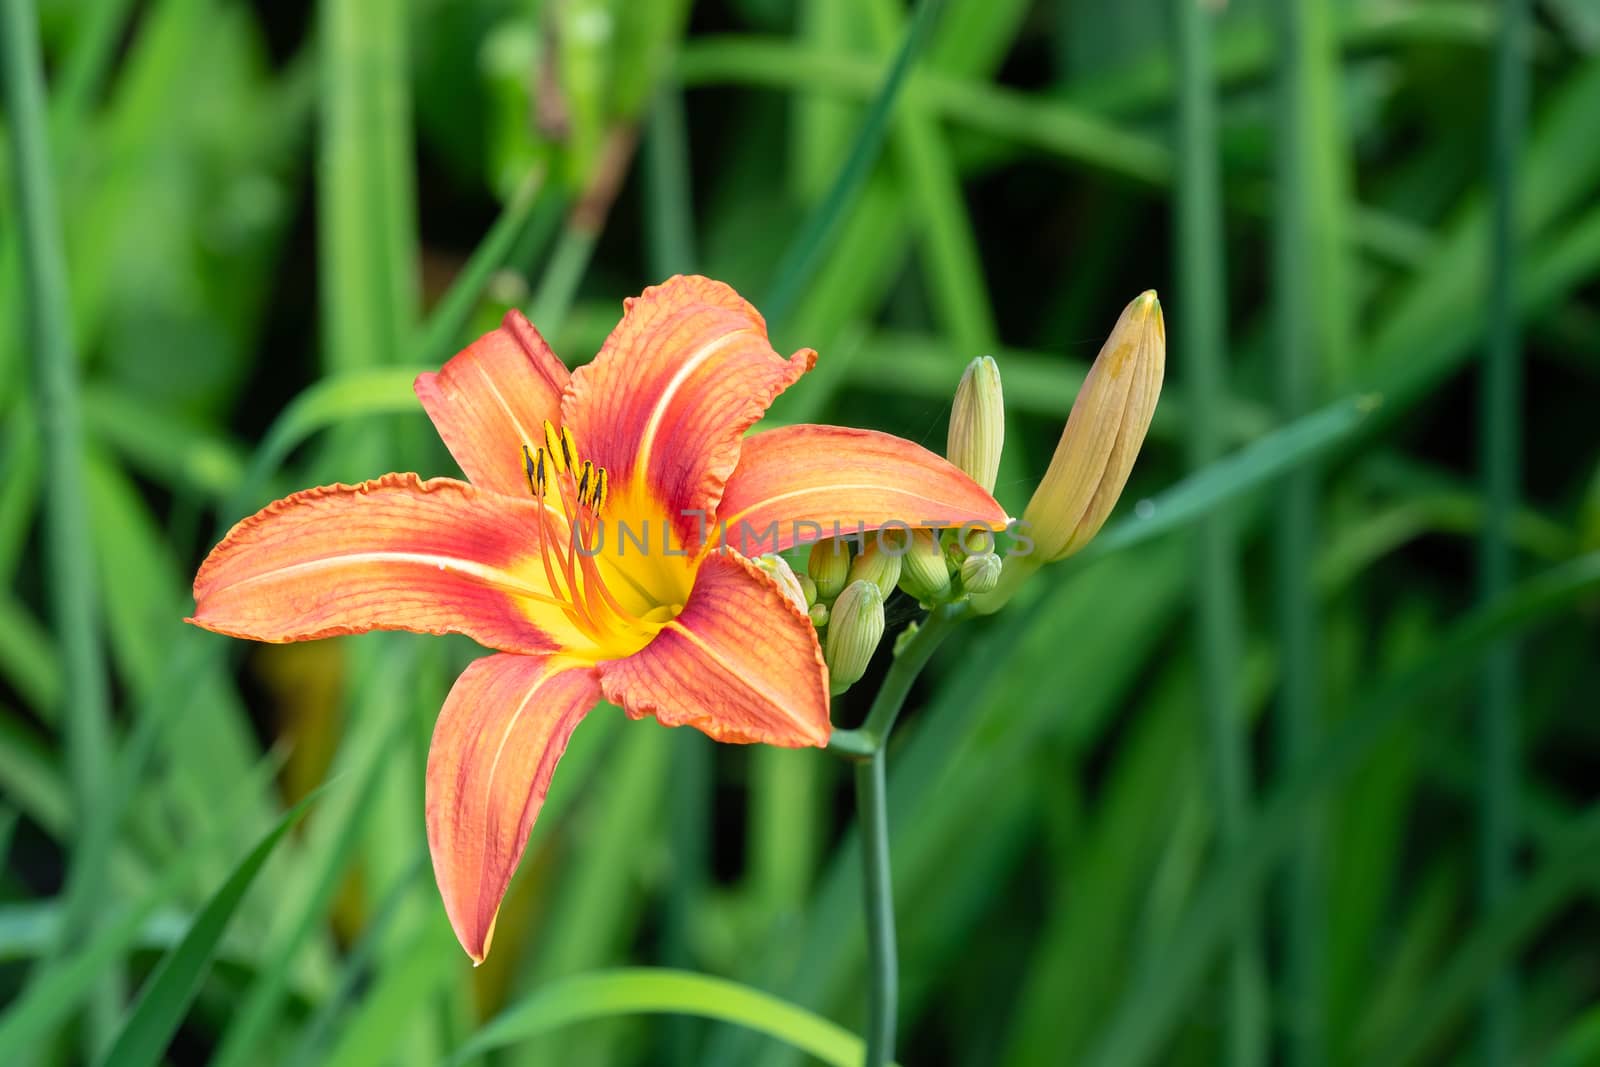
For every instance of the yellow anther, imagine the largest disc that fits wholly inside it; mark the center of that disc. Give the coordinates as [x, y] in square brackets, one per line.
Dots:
[538, 473]
[569, 449]
[583, 481]
[554, 444]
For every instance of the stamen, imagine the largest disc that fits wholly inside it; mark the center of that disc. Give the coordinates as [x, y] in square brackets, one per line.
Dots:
[569, 448]
[574, 605]
[527, 468]
[582, 496]
[585, 525]
[554, 444]
[574, 529]
[583, 483]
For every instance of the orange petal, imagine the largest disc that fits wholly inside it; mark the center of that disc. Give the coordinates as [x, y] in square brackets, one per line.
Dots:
[663, 406]
[740, 663]
[492, 398]
[397, 553]
[504, 725]
[796, 476]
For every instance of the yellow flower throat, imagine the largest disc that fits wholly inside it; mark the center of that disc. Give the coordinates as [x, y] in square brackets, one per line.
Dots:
[612, 602]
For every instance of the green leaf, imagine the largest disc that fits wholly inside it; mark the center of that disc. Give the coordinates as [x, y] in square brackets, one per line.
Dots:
[177, 978]
[807, 248]
[1249, 468]
[58, 991]
[327, 403]
[1138, 1029]
[654, 991]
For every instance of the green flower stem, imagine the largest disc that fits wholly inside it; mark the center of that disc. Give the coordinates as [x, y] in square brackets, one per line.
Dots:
[872, 807]
[864, 742]
[867, 745]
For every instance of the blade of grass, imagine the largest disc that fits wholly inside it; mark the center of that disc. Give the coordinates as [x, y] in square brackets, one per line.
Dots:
[599, 896]
[357, 964]
[8, 826]
[1580, 1044]
[559, 285]
[1245, 51]
[1092, 930]
[816, 235]
[256, 1011]
[19, 489]
[61, 987]
[871, 247]
[442, 330]
[88, 63]
[1302, 262]
[1499, 933]
[177, 978]
[30, 777]
[1436, 323]
[329, 402]
[955, 274]
[1202, 337]
[181, 455]
[1037, 383]
[652, 991]
[1140, 1027]
[1051, 126]
[575, 247]
[821, 125]
[375, 1032]
[1003, 113]
[1500, 457]
[366, 241]
[1264, 460]
[70, 559]
[668, 184]
[29, 661]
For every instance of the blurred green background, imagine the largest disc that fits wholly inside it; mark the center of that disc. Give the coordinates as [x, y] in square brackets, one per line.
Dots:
[1306, 777]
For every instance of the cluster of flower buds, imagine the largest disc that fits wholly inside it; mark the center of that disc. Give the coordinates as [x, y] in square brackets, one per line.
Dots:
[844, 593]
[844, 588]
[848, 581]
[1092, 461]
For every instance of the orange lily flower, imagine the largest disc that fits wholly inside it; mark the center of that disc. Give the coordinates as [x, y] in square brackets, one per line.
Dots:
[532, 557]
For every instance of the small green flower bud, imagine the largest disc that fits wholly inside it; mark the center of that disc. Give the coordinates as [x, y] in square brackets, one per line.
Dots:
[980, 573]
[924, 574]
[978, 423]
[878, 565]
[809, 588]
[781, 573]
[819, 615]
[855, 627]
[829, 567]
